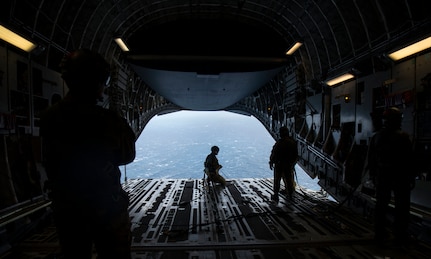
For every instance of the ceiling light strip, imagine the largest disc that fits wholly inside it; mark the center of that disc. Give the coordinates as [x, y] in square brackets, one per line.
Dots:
[294, 48]
[121, 44]
[411, 49]
[339, 79]
[16, 40]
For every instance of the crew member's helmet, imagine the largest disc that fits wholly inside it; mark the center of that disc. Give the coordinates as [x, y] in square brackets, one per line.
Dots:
[84, 71]
[392, 118]
[215, 149]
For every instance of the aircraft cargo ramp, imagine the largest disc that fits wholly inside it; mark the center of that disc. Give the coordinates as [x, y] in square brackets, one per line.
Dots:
[188, 218]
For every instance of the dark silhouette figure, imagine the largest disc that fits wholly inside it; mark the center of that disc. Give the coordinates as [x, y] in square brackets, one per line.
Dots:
[391, 166]
[284, 155]
[83, 146]
[212, 167]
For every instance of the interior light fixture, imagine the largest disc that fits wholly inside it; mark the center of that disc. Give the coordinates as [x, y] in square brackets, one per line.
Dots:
[339, 79]
[294, 48]
[121, 44]
[411, 49]
[16, 40]
[347, 98]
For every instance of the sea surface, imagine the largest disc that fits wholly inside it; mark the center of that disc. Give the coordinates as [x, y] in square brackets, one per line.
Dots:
[175, 145]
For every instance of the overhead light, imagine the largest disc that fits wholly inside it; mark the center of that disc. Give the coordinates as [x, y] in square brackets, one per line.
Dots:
[339, 79]
[294, 48]
[122, 45]
[16, 40]
[411, 49]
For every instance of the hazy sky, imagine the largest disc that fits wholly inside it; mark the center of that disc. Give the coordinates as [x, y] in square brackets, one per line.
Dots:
[175, 146]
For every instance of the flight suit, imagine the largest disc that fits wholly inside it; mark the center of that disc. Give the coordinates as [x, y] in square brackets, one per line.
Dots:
[83, 145]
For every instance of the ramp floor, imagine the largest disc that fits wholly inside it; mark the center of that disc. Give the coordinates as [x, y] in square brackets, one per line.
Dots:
[189, 218]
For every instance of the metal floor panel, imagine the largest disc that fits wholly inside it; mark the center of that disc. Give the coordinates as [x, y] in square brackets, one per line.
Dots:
[185, 218]
[180, 218]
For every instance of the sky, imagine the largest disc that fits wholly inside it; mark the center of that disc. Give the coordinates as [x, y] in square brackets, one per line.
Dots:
[181, 141]
[175, 145]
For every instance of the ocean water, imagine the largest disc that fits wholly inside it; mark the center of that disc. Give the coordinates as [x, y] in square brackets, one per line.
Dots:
[175, 145]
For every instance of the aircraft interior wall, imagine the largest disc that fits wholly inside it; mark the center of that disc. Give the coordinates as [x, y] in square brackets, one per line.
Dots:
[325, 149]
[27, 89]
[352, 104]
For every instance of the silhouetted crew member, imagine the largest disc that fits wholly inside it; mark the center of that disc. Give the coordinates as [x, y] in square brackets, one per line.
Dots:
[390, 161]
[212, 167]
[284, 155]
[83, 146]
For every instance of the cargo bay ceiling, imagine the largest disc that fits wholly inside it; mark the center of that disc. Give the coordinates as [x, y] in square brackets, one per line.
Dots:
[208, 54]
